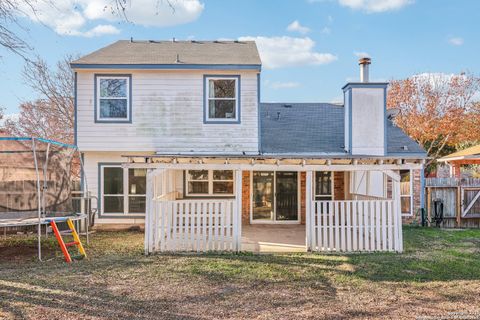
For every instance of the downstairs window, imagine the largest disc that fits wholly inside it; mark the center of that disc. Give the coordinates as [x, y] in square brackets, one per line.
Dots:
[123, 190]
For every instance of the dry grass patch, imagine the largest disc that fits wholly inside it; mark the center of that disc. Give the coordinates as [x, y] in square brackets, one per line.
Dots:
[438, 273]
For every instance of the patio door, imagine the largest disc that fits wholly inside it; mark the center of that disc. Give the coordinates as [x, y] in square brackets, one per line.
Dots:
[274, 196]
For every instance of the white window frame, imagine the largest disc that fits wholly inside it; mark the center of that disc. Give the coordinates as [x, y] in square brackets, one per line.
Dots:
[207, 99]
[126, 192]
[210, 181]
[408, 196]
[98, 98]
[315, 195]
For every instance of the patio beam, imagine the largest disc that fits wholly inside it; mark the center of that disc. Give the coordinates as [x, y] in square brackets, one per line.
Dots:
[274, 167]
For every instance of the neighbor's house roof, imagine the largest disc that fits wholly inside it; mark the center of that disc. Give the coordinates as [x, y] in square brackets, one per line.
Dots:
[472, 153]
[318, 128]
[173, 55]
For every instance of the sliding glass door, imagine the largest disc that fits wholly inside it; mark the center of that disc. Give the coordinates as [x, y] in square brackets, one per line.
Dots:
[274, 196]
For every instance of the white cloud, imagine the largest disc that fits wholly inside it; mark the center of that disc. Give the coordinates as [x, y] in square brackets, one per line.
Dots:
[76, 17]
[455, 41]
[156, 13]
[295, 26]
[283, 85]
[278, 52]
[361, 54]
[372, 6]
[100, 30]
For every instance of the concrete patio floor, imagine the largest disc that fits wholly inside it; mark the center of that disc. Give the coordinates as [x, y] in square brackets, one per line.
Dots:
[263, 238]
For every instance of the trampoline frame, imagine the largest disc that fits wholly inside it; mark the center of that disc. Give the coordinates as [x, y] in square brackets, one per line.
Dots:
[39, 221]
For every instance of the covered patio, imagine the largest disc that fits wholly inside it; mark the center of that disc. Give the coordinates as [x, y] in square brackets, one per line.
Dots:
[273, 238]
[369, 220]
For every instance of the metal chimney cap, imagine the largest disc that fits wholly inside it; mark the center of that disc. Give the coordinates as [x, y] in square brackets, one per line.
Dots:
[364, 60]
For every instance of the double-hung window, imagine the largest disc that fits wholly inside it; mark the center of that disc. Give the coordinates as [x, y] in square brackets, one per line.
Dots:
[123, 190]
[222, 97]
[113, 98]
[406, 194]
[209, 183]
[323, 185]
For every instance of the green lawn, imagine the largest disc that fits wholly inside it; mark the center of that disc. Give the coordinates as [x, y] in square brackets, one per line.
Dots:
[438, 273]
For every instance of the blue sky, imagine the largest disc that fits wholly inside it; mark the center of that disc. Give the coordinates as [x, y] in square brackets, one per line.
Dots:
[309, 48]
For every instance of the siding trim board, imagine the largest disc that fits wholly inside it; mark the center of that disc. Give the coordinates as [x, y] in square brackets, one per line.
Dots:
[256, 67]
[238, 110]
[130, 104]
[259, 125]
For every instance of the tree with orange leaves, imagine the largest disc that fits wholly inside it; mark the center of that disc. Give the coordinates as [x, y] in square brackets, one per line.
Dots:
[438, 111]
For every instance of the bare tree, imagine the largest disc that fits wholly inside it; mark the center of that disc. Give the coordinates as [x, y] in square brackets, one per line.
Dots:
[52, 114]
[9, 13]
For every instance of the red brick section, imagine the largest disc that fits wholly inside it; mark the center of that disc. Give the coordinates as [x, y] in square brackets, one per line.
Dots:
[417, 191]
[245, 197]
[339, 185]
[303, 185]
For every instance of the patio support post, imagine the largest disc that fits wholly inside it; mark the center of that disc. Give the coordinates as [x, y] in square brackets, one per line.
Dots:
[148, 211]
[398, 211]
[308, 210]
[238, 210]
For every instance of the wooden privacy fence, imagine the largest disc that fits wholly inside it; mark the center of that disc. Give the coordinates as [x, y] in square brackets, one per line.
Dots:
[194, 225]
[460, 198]
[355, 225]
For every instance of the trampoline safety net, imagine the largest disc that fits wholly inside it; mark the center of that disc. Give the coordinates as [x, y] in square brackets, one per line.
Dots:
[36, 174]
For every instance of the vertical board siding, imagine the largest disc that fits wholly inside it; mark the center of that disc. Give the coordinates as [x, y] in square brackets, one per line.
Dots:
[356, 225]
[194, 225]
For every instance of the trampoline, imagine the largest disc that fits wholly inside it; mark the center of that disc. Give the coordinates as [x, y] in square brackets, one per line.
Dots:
[36, 184]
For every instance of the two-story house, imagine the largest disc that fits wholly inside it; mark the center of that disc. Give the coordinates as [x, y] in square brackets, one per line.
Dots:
[173, 135]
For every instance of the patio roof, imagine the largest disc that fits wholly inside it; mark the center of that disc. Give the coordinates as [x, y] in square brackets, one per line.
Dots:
[472, 154]
[245, 162]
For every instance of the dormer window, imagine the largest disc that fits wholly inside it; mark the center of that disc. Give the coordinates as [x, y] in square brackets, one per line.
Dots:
[222, 99]
[113, 98]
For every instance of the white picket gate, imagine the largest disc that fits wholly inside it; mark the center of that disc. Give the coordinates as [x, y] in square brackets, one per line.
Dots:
[194, 225]
[355, 225]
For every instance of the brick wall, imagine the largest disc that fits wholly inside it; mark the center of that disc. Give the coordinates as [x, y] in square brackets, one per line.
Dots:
[303, 186]
[245, 197]
[417, 191]
[339, 185]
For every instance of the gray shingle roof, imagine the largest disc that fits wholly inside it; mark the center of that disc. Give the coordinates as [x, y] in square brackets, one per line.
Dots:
[316, 128]
[165, 52]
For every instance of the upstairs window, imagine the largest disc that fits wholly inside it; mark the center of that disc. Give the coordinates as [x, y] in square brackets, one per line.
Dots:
[113, 98]
[222, 99]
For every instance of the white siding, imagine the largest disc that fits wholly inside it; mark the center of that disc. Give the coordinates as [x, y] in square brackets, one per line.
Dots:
[368, 121]
[91, 161]
[167, 115]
